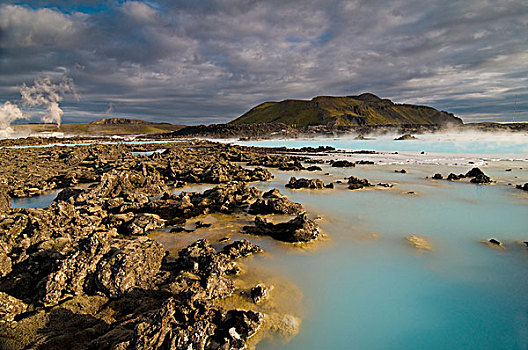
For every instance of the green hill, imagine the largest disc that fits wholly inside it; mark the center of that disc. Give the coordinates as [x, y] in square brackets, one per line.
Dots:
[365, 109]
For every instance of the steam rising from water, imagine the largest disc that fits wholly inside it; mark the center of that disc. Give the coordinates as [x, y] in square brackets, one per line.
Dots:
[8, 113]
[43, 93]
[47, 94]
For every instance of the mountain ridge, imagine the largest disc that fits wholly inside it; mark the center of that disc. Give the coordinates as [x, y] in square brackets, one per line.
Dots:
[366, 109]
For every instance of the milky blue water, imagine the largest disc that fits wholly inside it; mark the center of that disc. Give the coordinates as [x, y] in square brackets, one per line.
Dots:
[40, 201]
[479, 143]
[382, 293]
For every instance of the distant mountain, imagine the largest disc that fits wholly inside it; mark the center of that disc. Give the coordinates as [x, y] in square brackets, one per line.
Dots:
[363, 110]
[109, 126]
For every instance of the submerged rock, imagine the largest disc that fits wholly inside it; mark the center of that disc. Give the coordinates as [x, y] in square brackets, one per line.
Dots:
[419, 242]
[299, 229]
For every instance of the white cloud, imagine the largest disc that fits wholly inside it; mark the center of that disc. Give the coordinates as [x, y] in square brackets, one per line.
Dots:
[217, 58]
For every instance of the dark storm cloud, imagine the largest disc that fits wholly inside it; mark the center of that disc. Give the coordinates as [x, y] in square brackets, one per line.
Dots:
[210, 61]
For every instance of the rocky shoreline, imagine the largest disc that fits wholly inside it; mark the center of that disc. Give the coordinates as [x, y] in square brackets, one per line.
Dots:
[84, 272]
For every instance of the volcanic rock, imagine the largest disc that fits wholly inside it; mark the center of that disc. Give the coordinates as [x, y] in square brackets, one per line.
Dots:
[343, 164]
[273, 202]
[305, 183]
[299, 229]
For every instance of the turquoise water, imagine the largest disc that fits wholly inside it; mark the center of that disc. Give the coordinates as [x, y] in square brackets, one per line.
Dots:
[61, 144]
[40, 201]
[477, 143]
[384, 294]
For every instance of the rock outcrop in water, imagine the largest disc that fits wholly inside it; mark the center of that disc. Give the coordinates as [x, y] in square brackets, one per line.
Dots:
[274, 202]
[522, 187]
[355, 183]
[295, 183]
[299, 229]
[343, 164]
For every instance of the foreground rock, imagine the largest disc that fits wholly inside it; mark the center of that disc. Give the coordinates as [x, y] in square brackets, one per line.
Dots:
[81, 274]
[299, 229]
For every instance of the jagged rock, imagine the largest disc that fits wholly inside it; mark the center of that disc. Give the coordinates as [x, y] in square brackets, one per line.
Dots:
[454, 177]
[305, 183]
[522, 187]
[364, 162]
[343, 164]
[132, 264]
[143, 223]
[386, 185]
[212, 268]
[5, 264]
[481, 179]
[5, 199]
[474, 172]
[10, 307]
[195, 325]
[236, 327]
[259, 293]
[273, 202]
[70, 277]
[406, 137]
[225, 198]
[218, 172]
[200, 224]
[176, 325]
[239, 249]
[299, 229]
[67, 193]
[437, 176]
[355, 183]
[292, 166]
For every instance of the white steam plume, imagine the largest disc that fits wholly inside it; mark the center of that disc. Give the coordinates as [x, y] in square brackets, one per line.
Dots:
[9, 112]
[47, 94]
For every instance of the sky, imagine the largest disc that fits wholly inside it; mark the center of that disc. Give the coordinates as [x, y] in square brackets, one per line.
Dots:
[201, 62]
